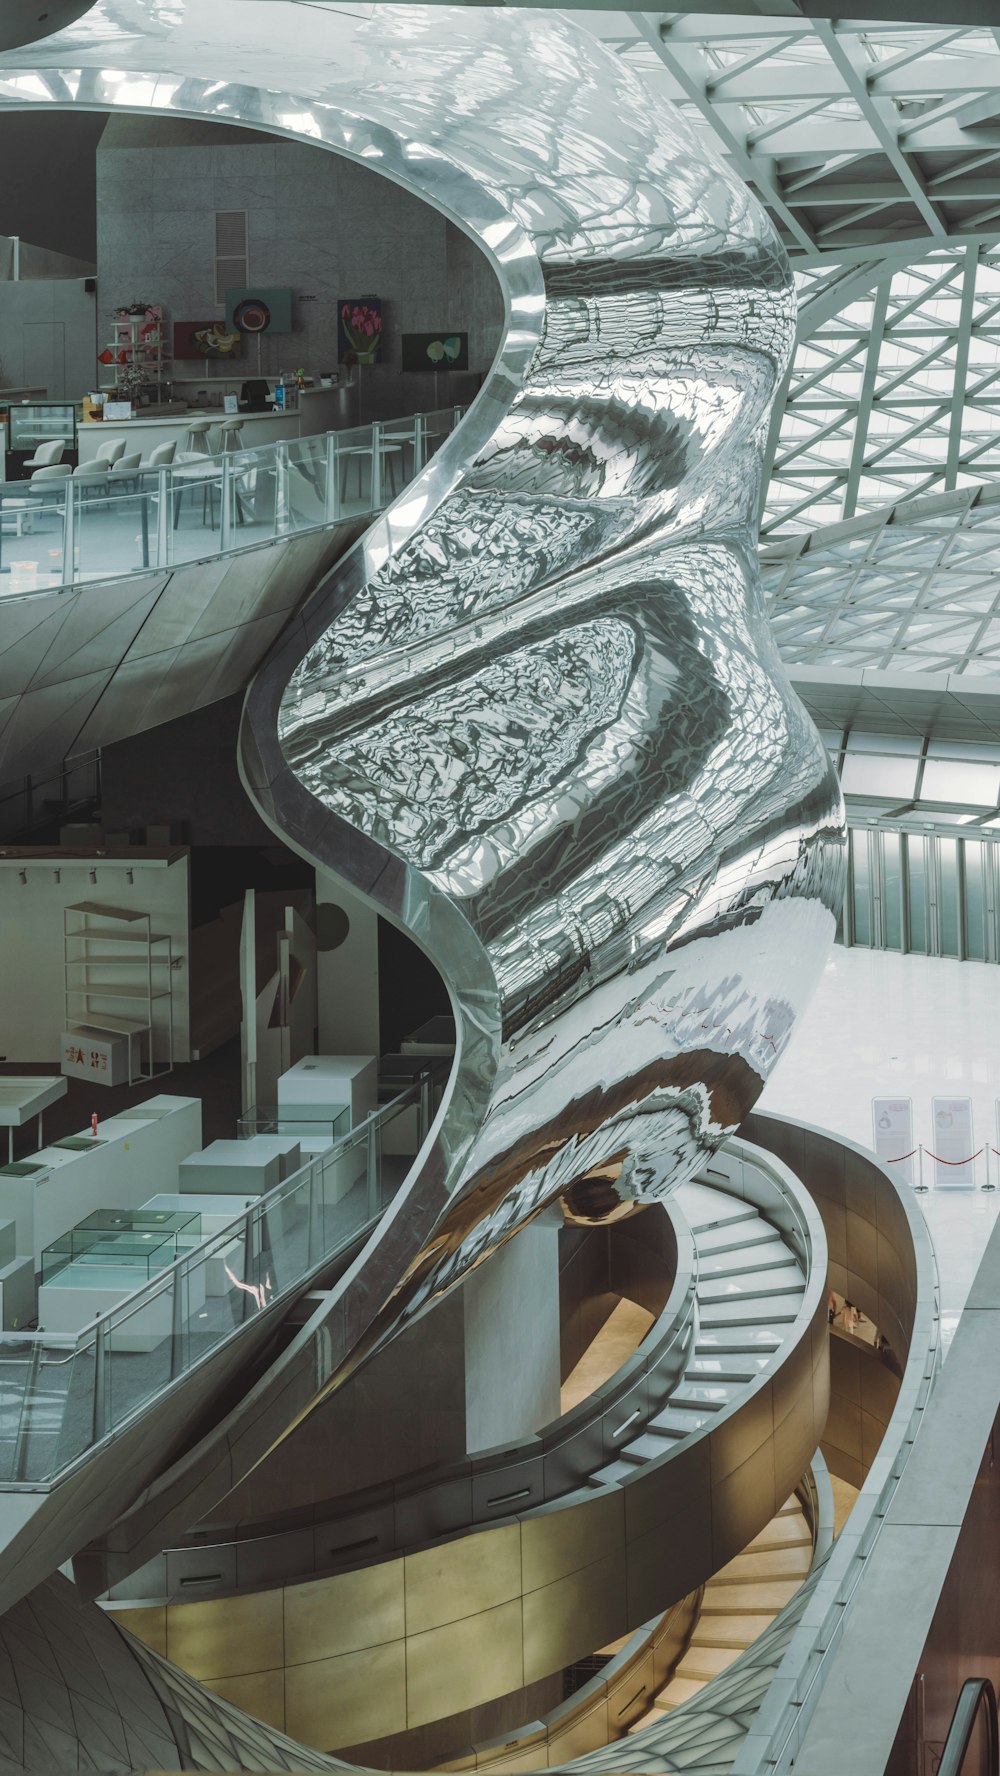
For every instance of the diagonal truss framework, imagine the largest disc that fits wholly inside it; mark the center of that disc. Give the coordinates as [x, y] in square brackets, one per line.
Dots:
[913, 587]
[856, 135]
[894, 394]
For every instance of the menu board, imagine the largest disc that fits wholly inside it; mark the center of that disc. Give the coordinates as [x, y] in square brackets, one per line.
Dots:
[953, 1147]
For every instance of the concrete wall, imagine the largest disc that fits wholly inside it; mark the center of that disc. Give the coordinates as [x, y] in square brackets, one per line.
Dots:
[320, 224]
[512, 1340]
[47, 336]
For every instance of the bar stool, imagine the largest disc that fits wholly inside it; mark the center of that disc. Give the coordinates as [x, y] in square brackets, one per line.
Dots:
[196, 444]
[231, 440]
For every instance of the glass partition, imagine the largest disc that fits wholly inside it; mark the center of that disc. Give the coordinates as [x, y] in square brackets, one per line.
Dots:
[60, 1395]
[66, 529]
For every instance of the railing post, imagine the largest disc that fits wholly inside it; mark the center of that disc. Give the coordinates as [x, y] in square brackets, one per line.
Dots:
[376, 487]
[419, 442]
[315, 1233]
[248, 1260]
[332, 479]
[20, 1454]
[176, 1327]
[424, 1111]
[226, 521]
[282, 514]
[100, 1383]
[371, 1159]
[69, 534]
[163, 531]
[457, 414]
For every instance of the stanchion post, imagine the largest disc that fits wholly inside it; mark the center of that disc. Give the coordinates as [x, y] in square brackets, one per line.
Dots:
[920, 1169]
[989, 1185]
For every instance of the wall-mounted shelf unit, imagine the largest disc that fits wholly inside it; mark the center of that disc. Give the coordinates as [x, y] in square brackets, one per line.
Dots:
[118, 982]
[136, 344]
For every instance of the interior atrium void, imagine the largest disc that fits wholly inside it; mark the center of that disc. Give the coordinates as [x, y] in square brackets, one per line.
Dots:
[499, 888]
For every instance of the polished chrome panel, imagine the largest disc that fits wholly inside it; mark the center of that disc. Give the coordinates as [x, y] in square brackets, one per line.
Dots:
[536, 716]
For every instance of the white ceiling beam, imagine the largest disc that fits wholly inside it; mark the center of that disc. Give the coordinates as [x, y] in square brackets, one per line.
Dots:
[677, 59]
[882, 116]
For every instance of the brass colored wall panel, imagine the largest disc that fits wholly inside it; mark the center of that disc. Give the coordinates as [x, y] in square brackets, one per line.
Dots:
[344, 1613]
[742, 1501]
[149, 1626]
[262, 1694]
[462, 1664]
[228, 1637]
[586, 1734]
[343, 1701]
[675, 1551]
[475, 1573]
[566, 1620]
[556, 1542]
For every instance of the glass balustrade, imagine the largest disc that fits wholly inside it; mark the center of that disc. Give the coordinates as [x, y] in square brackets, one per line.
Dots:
[65, 531]
[61, 1394]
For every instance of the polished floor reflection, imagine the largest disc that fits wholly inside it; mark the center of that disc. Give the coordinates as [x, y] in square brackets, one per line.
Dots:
[882, 1024]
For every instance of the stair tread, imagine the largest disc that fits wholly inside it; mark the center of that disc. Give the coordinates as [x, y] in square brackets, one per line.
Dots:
[705, 1207]
[737, 1629]
[706, 1662]
[732, 1235]
[766, 1313]
[679, 1689]
[648, 1447]
[752, 1339]
[679, 1424]
[752, 1285]
[726, 1368]
[616, 1470]
[767, 1255]
[724, 1598]
[789, 1531]
[765, 1564]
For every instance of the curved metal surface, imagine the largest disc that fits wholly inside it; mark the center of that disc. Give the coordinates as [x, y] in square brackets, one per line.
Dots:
[536, 716]
[976, 1693]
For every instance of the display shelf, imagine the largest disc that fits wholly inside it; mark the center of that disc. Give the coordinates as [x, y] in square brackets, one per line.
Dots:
[100, 942]
[136, 347]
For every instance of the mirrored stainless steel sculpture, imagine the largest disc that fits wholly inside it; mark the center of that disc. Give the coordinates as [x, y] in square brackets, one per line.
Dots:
[536, 716]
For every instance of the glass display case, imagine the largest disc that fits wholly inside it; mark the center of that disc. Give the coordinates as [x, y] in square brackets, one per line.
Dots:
[138, 1241]
[41, 422]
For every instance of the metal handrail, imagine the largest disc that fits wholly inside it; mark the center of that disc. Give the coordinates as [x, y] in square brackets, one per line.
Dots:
[976, 1693]
[100, 1330]
[158, 489]
[785, 1712]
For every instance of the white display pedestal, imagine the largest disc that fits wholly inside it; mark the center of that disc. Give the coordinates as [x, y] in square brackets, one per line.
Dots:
[74, 1298]
[318, 1086]
[95, 1056]
[24, 1096]
[134, 1154]
[236, 1168]
[226, 1262]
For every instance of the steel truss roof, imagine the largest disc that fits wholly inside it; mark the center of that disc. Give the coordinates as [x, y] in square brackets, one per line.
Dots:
[913, 587]
[856, 135]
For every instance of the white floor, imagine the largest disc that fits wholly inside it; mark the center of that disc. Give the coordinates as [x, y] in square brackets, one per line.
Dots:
[883, 1025]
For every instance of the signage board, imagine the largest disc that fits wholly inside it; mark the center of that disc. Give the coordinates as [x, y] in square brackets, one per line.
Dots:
[892, 1122]
[952, 1144]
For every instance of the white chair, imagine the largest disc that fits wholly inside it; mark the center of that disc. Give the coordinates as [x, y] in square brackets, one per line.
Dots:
[161, 457]
[45, 482]
[109, 451]
[53, 472]
[46, 455]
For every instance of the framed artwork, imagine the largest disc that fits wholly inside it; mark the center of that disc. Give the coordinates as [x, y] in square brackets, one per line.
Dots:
[359, 329]
[435, 351]
[206, 339]
[259, 310]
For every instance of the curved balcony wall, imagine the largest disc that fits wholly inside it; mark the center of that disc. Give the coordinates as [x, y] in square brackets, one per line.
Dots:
[129, 600]
[459, 1621]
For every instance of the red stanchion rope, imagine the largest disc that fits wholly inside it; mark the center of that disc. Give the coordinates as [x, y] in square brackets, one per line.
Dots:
[901, 1156]
[955, 1162]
